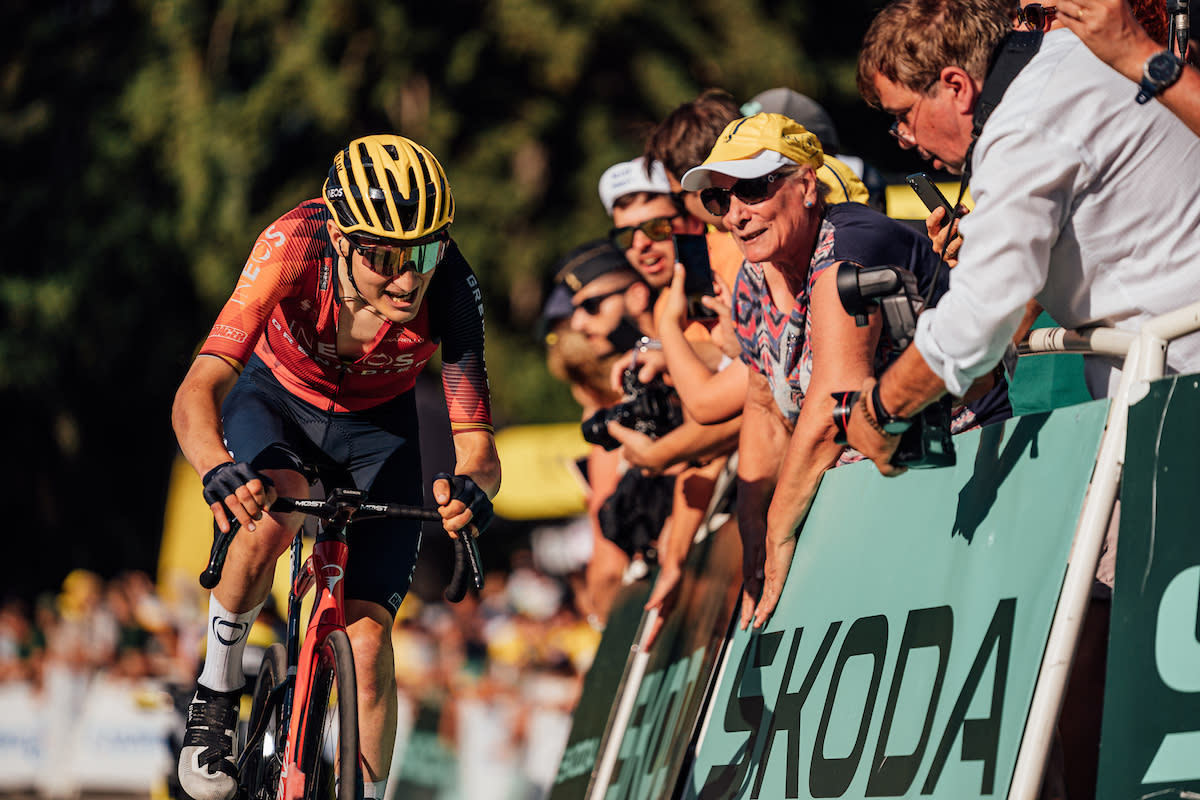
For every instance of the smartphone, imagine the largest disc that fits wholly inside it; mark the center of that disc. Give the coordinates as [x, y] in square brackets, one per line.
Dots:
[929, 193]
[691, 250]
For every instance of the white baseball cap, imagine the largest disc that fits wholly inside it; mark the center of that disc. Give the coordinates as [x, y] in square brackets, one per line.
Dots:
[628, 177]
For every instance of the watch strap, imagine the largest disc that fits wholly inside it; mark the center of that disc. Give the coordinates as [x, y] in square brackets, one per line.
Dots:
[890, 423]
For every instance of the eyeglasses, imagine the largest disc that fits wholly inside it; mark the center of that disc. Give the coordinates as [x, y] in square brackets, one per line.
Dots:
[391, 261]
[591, 305]
[657, 229]
[906, 139]
[749, 190]
[1034, 15]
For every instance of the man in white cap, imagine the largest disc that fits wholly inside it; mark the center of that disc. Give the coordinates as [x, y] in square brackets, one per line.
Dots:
[645, 214]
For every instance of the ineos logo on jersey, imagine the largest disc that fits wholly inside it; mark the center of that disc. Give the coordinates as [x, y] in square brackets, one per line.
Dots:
[229, 633]
[270, 240]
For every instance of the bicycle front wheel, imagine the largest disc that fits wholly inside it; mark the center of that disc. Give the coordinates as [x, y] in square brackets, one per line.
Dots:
[259, 777]
[330, 755]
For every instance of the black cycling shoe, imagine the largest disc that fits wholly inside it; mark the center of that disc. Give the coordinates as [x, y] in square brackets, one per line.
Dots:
[207, 770]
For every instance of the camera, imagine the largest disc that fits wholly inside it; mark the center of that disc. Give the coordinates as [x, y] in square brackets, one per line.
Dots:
[651, 408]
[894, 292]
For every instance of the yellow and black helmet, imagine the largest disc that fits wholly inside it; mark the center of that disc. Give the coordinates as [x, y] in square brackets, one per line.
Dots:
[388, 187]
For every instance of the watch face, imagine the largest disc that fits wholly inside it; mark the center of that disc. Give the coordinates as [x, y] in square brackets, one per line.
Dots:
[1162, 67]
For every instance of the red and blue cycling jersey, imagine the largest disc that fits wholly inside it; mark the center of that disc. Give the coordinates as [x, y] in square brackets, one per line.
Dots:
[285, 310]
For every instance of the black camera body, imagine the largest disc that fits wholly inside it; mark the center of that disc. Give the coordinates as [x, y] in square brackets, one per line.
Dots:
[651, 408]
[927, 443]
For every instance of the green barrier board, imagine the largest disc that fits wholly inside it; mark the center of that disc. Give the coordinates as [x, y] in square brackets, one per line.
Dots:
[428, 769]
[652, 752]
[1047, 381]
[600, 688]
[670, 699]
[902, 657]
[1150, 745]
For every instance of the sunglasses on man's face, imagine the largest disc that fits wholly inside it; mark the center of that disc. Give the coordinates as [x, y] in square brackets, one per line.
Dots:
[657, 229]
[749, 190]
[1034, 15]
[591, 305]
[392, 261]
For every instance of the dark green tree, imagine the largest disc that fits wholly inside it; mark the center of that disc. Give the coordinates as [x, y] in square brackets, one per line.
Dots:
[146, 145]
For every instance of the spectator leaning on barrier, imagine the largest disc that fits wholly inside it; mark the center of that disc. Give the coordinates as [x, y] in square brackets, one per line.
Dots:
[798, 341]
[646, 215]
[1084, 200]
[684, 137]
[609, 309]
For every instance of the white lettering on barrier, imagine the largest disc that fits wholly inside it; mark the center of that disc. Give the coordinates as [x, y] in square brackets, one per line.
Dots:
[578, 759]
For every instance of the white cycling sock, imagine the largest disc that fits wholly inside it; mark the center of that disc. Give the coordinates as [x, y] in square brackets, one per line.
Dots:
[227, 634]
[374, 789]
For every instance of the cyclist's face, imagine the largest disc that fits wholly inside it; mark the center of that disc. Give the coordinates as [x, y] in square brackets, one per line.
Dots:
[398, 298]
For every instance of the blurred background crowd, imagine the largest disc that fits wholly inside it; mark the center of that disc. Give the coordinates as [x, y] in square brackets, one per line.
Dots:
[496, 676]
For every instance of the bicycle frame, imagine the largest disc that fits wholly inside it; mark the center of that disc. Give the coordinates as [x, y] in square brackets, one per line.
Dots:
[324, 569]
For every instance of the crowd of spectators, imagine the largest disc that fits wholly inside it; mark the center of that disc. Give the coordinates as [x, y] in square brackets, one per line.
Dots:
[503, 667]
[1093, 249]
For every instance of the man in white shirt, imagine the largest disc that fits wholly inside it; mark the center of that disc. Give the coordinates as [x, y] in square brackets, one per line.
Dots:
[1084, 199]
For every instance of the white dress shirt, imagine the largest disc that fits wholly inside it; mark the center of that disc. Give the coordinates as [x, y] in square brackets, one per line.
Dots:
[1083, 199]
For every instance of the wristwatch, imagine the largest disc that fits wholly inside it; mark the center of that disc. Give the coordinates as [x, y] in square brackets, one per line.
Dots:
[1160, 72]
[891, 424]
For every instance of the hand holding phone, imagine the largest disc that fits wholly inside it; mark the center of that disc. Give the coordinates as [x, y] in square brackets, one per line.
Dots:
[691, 250]
[929, 193]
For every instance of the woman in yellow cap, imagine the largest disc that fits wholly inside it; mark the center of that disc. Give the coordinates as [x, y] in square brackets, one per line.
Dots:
[799, 344]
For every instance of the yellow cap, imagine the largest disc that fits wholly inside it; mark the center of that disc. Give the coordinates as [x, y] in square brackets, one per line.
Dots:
[751, 147]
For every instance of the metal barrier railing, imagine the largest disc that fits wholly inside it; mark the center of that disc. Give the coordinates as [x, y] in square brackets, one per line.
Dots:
[1145, 356]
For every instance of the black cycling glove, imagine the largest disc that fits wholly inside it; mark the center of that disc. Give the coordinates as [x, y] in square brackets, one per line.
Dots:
[224, 480]
[465, 489]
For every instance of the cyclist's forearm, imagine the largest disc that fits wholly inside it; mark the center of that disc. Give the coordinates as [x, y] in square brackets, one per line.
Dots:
[196, 413]
[476, 457]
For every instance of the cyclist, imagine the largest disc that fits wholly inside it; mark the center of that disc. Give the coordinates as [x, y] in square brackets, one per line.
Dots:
[342, 302]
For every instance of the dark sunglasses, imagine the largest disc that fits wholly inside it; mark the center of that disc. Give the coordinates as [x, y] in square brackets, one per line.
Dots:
[591, 306]
[1034, 15]
[749, 190]
[658, 229]
[391, 261]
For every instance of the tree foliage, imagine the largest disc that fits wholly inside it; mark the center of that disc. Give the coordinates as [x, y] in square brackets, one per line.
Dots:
[147, 143]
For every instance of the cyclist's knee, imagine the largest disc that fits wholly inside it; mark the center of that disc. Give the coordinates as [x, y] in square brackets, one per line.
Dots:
[288, 483]
[369, 626]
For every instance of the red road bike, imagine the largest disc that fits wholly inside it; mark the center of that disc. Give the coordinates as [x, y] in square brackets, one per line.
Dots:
[302, 735]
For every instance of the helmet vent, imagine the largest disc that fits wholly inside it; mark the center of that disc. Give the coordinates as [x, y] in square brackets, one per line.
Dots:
[405, 206]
